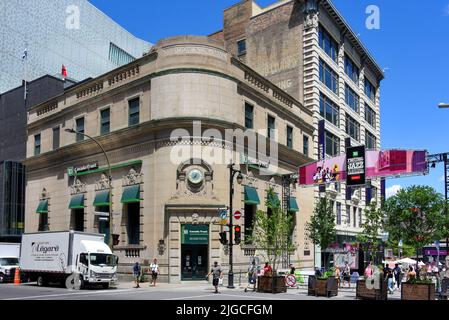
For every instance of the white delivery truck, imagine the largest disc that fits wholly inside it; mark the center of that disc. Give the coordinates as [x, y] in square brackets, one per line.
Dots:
[55, 256]
[9, 260]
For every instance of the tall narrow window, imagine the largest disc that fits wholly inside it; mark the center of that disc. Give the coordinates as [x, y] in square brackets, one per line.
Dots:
[250, 210]
[329, 110]
[370, 140]
[354, 221]
[360, 218]
[370, 90]
[290, 137]
[351, 98]
[80, 129]
[56, 138]
[348, 215]
[332, 144]
[271, 126]
[370, 116]
[241, 47]
[352, 128]
[351, 70]
[249, 116]
[305, 145]
[327, 43]
[134, 109]
[329, 77]
[133, 223]
[37, 144]
[338, 213]
[105, 125]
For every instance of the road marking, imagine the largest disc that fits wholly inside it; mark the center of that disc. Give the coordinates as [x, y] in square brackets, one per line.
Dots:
[66, 294]
[223, 294]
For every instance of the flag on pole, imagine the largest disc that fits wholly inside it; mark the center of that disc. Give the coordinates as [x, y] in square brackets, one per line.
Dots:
[64, 71]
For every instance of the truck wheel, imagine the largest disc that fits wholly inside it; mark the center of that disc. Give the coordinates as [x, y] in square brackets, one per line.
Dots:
[41, 282]
[105, 285]
[82, 283]
[2, 278]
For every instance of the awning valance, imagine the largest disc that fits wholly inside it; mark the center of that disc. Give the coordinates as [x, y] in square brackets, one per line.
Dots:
[42, 207]
[251, 196]
[292, 205]
[131, 194]
[102, 199]
[77, 202]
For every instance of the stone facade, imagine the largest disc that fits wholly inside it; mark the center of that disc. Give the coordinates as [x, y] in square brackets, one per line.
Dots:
[183, 81]
[282, 44]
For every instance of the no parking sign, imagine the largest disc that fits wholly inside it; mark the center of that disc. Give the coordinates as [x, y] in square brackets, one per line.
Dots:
[290, 280]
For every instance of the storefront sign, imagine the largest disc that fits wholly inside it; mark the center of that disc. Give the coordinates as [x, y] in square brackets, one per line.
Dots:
[83, 168]
[245, 159]
[194, 234]
[355, 166]
[321, 140]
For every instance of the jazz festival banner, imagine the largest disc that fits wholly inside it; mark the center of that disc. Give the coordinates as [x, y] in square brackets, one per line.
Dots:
[385, 163]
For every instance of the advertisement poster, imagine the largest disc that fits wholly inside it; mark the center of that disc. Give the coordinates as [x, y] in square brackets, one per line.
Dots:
[377, 164]
[355, 166]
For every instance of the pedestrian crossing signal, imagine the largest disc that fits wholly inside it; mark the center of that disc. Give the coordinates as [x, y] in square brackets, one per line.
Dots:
[238, 235]
[223, 238]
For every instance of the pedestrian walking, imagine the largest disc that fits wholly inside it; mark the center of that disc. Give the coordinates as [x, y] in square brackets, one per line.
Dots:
[337, 275]
[154, 268]
[347, 274]
[397, 275]
[216, 275]
[252, 276]
[137, 271]
[388, 273]
[292, 269]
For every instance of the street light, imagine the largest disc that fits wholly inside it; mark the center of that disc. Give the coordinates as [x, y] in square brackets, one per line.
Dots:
[232, 173]
[110, 240]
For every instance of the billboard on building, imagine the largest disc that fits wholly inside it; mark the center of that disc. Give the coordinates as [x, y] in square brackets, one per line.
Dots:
[378, 164]
[355, 166]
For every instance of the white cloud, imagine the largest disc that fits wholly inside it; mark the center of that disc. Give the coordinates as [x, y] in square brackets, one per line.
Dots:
[446, 10]
[391, 191]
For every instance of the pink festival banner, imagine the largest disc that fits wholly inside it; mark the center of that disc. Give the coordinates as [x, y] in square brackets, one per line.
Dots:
[378, 164]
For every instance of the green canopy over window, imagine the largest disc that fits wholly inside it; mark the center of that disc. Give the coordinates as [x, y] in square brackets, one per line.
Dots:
[251, 196]
[292, 205]
[131, 194]
[42, 207]
[77, 202]
[102, 199]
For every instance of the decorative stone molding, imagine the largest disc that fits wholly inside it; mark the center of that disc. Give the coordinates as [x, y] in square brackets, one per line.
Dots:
[47, 108]
[93, 89]
[132, 178]
[123, 75]
[103, 183]
[77, 187]
[253, 79]
[311, 20]
[44, 194]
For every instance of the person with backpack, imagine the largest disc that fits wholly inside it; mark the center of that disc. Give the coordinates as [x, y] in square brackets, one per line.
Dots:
[137, 273]
[252, 276]
[347, 274]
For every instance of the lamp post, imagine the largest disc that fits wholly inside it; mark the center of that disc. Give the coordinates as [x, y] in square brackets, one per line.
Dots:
[110, 240]
[232, 173]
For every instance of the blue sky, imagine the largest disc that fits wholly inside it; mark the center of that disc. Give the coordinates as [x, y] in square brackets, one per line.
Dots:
[412, 45]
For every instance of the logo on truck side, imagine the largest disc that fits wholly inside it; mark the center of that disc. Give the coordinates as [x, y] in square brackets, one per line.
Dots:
[43, 247]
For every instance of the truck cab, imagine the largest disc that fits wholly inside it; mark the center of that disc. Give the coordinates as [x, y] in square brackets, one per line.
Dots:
[96, 264]
[8, 267]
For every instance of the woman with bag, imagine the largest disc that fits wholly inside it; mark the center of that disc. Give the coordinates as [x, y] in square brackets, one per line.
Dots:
[252, 276]
[154, 268]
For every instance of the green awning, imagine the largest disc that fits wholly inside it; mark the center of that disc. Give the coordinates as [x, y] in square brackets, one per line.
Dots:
[251, 196]
[77, 202]
[42, 207]
[292, 205]
[131, 194]
[102, 199]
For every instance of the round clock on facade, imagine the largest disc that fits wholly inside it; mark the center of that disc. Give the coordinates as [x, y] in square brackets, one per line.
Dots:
[195, 176]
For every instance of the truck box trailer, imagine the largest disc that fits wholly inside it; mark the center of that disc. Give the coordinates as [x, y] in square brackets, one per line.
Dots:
[57, 256]
[9, 260]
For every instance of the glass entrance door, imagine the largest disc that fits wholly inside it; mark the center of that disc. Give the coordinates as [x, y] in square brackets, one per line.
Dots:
[194, 262]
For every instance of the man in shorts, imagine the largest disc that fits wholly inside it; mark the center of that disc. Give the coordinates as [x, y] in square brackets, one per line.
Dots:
[137, 272]
[252, 276]
[216, 275]
[154, 268]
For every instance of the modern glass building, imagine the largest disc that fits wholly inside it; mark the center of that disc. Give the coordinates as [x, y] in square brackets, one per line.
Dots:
[73, 33]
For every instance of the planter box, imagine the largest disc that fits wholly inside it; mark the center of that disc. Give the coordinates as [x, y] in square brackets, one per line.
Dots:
[326, 288]
[274, 284]
[362, 292]
[417, 291]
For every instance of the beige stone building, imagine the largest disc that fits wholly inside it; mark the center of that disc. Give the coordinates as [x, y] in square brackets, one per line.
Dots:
[169, 178]
[307, 48]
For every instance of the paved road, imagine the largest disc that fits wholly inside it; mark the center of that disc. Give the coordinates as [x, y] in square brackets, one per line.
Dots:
[185, 291]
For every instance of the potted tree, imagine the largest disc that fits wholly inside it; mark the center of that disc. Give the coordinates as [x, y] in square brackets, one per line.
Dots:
[372, 287]
[416, 215]
[321, 230]
[271, 237]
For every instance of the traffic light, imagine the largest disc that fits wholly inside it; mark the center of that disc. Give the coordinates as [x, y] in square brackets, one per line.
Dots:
[238, 235]
[223, 238]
